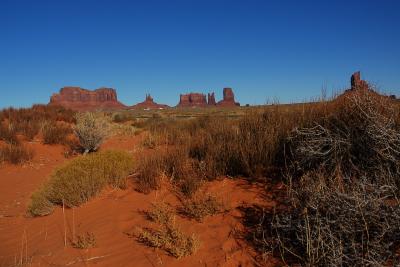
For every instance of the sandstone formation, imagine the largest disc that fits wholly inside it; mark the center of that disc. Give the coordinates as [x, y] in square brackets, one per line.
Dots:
[229, 99]
[80, 99]
[192, 100]
[211, 99]
[149, 104]
[200, 100]
[357, 83]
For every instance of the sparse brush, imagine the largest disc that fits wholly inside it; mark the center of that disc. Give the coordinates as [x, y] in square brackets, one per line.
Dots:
[85, 241]
[16, 154]
[358, 137]
[160, 213]
[343, 184]
[201, 205]
[81, 179]
[171, 239]
[122, 117]
[331, 227]
[149, 168]
[149, 141]
[55, 133]
[28, 128]
[8, 134]
[91, 130]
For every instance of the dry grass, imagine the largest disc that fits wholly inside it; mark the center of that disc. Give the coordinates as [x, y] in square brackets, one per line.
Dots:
[55, 133]
[149, 168]
[81, 179]
[8, 134]
[171, 239]
[339, 158]
[15, 154]
[201, 205]
[85, 241]
[343, 185]
[160, 213]
[167, 236]
[29, 129]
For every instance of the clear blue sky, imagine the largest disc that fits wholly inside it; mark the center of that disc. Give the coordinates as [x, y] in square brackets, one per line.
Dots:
[281, 49]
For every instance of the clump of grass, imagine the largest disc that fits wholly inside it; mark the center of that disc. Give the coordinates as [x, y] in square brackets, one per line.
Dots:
[81, 179]
[55, 133]
[201, 205]
[149, 168]
[8, 134]
[15, 154]
[171, 239]
[85, 241]
[123, 117]
[160, 213]
[28, 128]
[28, 121]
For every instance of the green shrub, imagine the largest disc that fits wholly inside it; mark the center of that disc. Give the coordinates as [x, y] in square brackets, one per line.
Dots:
[81, 179]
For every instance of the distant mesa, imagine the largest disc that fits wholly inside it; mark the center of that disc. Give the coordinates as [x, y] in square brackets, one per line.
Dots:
[357, 83]
[193, 100]
[229, 99]
[80, 99]
[211, 99]
[148, 104]
[201, 100]
[77, 98]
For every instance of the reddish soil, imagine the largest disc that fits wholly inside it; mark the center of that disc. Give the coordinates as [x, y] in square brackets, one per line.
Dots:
[114, 218]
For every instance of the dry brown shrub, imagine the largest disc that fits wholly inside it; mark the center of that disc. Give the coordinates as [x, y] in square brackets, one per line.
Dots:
[55, 133]
[16, 154]
[160, 213]
[358, 137]
[85, 241]
[28, 128]
[202, 205]
[8, 134]
[28, 121]
[343, 207]
[150, 169]
[171, 239]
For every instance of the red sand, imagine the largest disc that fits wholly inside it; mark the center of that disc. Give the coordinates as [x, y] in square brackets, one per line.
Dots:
[112, 217]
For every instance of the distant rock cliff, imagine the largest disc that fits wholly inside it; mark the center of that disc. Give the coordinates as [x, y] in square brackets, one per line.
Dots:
[192, 100]
[229, 99]
[149, 103]
[357, 83]
[201, 100]
[80, 99]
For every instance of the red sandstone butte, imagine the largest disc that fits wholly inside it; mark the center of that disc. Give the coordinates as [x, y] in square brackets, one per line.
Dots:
[200, 100]
[192, 100]
[229, 99]
[149, 104]
[211, 99]
[80, 99]
[357, 83]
